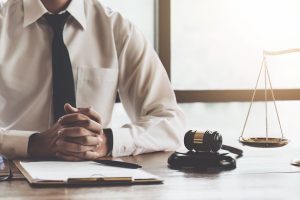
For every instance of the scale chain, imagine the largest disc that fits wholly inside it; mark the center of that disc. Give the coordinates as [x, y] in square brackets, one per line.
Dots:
[274, 100]
[253, 96]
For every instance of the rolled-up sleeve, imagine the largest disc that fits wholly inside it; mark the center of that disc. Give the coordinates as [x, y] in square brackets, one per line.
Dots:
[157, 122]
[14, 143]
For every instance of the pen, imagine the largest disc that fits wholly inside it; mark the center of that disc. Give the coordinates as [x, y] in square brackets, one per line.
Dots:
[118, 164]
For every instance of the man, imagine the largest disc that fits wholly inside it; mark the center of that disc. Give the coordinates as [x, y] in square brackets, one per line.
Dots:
[62, 63]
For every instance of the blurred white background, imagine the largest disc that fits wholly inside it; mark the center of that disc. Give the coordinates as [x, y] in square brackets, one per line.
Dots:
[218, 44]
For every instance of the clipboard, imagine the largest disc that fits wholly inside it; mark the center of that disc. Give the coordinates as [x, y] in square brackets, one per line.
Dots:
[30, 169]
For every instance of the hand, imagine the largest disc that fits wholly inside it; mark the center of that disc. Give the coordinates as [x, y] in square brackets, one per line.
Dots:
[43, 145]
[76, 136]
[81, 137]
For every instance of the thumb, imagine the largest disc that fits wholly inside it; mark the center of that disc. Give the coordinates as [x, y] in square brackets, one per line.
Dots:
[70, 109]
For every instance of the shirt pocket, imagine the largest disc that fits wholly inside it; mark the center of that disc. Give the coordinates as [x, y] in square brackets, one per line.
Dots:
[97, 87]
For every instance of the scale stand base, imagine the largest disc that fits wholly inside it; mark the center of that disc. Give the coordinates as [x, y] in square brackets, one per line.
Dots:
[264, 142]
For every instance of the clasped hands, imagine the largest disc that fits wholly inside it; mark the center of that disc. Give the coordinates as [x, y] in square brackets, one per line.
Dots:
[76, 136]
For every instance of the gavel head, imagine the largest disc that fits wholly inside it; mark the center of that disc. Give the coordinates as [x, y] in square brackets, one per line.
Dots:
[203, 141]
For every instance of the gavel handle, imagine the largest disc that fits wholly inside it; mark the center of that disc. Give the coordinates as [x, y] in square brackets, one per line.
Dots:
[231, 149]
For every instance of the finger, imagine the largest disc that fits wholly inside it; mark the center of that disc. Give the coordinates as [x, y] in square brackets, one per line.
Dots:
[92, 155]
[86, 140]
[78, 119]
[87, 124]
[70, 109]
[64, 146]
[75, 132]
[102, 150]
[67, 157]
[71, 118]
[91, 113]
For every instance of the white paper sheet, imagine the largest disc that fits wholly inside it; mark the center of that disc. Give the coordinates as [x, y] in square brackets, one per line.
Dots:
[62, 171]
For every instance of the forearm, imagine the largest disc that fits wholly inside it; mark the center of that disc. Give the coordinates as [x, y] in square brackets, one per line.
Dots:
[151, 134]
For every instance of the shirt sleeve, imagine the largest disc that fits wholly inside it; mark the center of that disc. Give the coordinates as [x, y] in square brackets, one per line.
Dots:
[14, 143]
[157, 122]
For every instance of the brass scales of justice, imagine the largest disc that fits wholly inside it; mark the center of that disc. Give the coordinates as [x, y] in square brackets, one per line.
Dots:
[267, 141]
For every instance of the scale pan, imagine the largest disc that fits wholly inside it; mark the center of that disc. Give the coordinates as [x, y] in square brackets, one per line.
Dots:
[264, 142]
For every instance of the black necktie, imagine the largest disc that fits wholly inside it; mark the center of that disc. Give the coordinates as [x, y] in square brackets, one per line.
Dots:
[63, 82]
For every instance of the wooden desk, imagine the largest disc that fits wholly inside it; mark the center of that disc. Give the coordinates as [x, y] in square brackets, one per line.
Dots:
[261, 174]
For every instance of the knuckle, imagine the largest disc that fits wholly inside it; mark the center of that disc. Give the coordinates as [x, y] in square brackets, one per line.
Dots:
[78, 148]
[87, 122]
[85, 154]
[100, 140]
[60, 121]
[61, 131]
[85, 140]
[89, 109]
[77, 116]
[66, 132]
[83, 131]
[79, 130]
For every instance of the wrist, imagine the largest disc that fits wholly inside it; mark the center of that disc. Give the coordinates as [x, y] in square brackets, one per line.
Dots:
[32, 144]
[109, 140]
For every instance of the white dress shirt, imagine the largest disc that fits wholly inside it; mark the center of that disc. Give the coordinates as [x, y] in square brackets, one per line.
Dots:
[108, 55]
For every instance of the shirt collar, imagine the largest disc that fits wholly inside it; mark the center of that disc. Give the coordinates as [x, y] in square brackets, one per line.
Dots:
[76, 9]
[33, 10]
